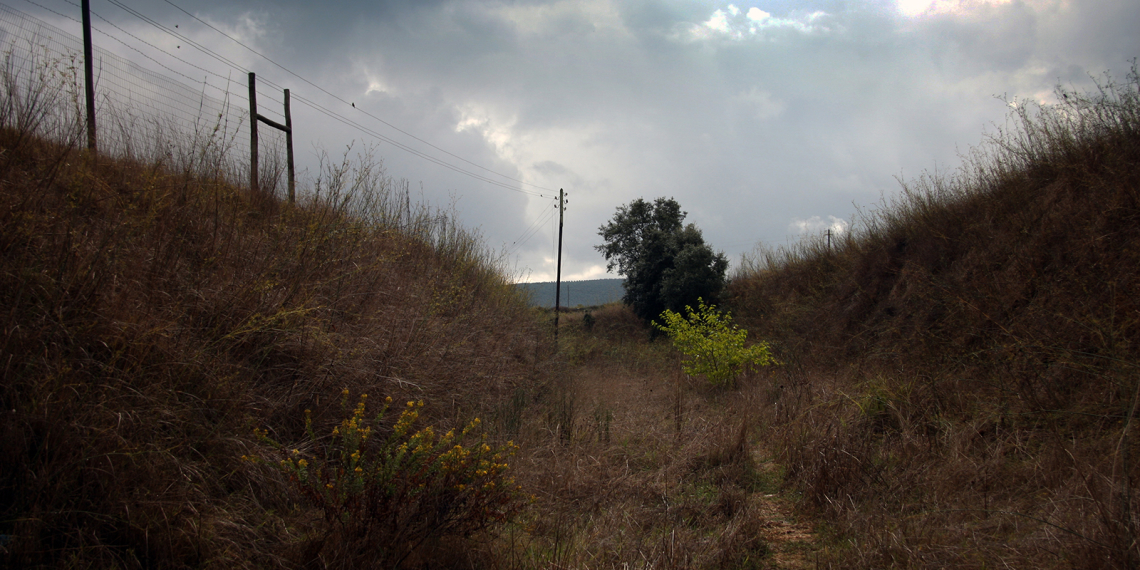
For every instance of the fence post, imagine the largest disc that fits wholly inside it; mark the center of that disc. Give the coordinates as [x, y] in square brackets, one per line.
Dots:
[252, 134]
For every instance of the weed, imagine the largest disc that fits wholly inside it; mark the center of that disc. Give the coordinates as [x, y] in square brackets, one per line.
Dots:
[382, 499]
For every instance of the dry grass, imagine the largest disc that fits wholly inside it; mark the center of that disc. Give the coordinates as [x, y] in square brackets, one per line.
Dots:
[636, 466]
[959, 380]
[961, 387]
[154, 315]
[160, 324]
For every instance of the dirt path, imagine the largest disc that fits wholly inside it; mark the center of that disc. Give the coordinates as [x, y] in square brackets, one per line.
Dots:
[649, 479]
[791, 540]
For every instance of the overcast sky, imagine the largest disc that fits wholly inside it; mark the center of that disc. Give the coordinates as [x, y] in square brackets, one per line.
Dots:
[765, 119]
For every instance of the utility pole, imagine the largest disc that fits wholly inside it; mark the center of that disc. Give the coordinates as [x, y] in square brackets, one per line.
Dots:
[253, 166]
[289, 150]
[558, 274]
[89, 74]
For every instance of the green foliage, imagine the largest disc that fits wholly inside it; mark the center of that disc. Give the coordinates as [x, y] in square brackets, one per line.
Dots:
[666, 264]
[714, 347]
[398, 491]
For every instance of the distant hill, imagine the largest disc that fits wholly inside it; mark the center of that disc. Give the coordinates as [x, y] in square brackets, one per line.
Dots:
[574, 293]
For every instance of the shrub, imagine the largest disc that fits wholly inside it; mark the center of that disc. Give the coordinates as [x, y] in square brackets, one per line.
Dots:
[713, 346]
[382, 500]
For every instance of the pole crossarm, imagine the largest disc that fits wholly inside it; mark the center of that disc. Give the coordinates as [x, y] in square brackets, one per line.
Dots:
[273, 123]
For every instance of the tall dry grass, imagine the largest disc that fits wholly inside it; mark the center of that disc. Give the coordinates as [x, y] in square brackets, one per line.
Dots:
[633, 465]
[155, 314]
[961, 382]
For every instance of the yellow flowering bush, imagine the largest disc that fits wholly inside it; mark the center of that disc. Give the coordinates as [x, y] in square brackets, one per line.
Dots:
[394, 488]
[713, 346]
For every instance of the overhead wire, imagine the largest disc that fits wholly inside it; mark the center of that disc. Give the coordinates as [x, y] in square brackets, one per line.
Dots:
[178, 35]
[349, 122]
[312, 104]
[518, 244]
[137, 50]
[338, 98]
[529, 233]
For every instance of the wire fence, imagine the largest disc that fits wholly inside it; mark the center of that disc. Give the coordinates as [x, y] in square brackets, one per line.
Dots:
[198, 126]
[140, 114]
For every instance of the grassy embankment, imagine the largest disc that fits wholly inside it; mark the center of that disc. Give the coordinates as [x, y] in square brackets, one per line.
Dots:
[962, 382]
[160, 323]
[959, 383]
[155, 315]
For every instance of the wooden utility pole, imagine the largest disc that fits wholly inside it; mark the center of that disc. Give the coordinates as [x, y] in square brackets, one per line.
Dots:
[253, 133]
[289, 149]
[558, 274]
[89, 74]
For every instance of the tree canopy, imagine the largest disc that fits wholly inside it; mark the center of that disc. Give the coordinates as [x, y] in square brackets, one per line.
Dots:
[666, 264]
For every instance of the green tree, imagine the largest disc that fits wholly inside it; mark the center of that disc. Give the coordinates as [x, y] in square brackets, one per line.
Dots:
[666, 264]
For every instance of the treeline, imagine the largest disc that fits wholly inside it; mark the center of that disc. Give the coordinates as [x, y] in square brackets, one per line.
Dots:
[590, 293]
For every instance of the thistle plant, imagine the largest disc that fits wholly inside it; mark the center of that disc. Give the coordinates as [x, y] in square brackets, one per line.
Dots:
[396, 490]
[712, 345]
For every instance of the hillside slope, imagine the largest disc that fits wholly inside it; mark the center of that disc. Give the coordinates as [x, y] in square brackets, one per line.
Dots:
[155, 318]
[961, 382]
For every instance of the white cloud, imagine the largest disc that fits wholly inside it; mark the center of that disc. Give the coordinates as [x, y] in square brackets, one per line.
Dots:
[757, 15]
[591, 272]
[499, 132]
[912, 8]
[733, 24]
[718, 22]
[816, 224]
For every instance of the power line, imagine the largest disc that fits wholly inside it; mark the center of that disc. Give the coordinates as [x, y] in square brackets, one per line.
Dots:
[529, 233]
[349, 122]
[137, 50]
[312, 104]
[518, 244]
[330, 94]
